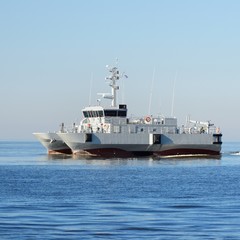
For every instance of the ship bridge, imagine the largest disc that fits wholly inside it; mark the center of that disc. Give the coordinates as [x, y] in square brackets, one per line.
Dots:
[101, 112]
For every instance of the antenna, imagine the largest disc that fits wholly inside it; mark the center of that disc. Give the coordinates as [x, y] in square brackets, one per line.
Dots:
[123, 76]
[90, 93]
[99, 101]
[173, 96]
[151, 91]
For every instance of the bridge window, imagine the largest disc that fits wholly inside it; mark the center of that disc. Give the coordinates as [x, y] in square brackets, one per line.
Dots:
[85, 114]
[91, 114]
[110, 113]
[100, 113]
[122, 113]
[115, 113]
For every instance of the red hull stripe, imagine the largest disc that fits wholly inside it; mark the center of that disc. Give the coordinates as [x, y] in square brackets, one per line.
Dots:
[60, 151]
[115, 152]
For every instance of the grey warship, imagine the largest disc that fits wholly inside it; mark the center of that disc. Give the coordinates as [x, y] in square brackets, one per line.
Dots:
[109, 132]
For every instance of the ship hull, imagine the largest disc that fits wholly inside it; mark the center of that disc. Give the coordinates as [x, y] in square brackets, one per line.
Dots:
[121, 145]
[53, 143]
[117, 151]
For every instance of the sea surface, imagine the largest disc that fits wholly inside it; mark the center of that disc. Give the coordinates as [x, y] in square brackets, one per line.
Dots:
[64, 197]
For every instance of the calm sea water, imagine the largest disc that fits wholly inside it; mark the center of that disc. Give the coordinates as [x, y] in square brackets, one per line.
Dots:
[59, 197]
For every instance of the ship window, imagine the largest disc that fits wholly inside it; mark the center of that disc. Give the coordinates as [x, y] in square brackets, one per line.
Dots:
[115, 113]
[85, 114]
[90, 114]
[95, 114]
[110, 113]
[122, 106]
[100, 113]
[122, 113]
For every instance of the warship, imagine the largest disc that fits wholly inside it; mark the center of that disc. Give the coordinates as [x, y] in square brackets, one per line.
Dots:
[109, 132]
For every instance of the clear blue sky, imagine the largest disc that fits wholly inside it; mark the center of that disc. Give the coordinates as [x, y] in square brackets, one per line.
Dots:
[50, 49]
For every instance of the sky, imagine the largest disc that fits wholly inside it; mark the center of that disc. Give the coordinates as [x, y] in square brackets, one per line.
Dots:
[181, 58]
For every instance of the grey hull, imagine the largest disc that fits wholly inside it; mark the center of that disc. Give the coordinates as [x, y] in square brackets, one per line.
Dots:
[118, 145]
[53, 143]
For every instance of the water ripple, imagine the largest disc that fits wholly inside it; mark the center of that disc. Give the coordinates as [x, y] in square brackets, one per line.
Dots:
[59, 198]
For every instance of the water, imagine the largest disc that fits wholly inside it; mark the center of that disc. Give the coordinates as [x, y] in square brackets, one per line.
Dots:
[44, 197]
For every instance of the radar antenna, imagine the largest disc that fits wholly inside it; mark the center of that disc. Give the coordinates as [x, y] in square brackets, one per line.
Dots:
[112, 80]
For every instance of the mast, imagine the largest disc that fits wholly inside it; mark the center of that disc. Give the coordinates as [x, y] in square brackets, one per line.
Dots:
[113, 84]
[113, 78]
